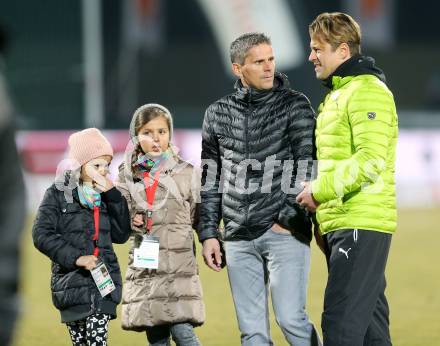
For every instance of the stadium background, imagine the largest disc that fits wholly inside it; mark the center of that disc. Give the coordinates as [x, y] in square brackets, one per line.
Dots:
[73, 64]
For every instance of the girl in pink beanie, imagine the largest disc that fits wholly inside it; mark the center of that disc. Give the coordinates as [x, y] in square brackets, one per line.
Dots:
[77, 233]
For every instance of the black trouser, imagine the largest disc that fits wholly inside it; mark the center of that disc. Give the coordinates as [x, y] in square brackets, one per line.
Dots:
[355, 307]
[91, 331]
[182, 333]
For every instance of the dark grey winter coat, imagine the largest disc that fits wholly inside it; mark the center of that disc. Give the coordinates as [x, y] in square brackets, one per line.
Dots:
[63, 232]
[260, 127]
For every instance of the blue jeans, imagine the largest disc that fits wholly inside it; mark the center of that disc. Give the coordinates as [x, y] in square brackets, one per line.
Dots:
[280, 262]
[182, 333]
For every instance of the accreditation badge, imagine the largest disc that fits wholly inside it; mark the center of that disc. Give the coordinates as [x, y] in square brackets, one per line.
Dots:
[147, 255]
[102, 279]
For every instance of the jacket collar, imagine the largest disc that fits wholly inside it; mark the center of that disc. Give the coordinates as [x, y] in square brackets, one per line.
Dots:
[256, 96]
[355, 66]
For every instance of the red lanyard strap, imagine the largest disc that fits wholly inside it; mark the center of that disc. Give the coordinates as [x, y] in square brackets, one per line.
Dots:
[150, 192]
[96, 235]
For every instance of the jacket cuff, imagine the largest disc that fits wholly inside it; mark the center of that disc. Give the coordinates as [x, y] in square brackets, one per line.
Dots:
[112, 195]
[315, 190]
[207, 234]
[72, 260]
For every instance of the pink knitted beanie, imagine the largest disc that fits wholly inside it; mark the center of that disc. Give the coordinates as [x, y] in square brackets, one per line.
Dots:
[87, 145]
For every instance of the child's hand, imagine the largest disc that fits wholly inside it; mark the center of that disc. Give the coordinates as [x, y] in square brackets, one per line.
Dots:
[138, 220]
[97, 170]
[87, 262]
[101, 183]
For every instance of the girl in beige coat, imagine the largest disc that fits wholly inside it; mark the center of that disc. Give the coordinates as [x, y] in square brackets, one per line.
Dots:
[162, 294]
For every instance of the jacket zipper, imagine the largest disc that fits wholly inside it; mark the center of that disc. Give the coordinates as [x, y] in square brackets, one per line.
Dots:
[247, 156]
[93, 307]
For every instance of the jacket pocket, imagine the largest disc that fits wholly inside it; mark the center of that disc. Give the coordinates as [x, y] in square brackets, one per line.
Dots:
[71, 288]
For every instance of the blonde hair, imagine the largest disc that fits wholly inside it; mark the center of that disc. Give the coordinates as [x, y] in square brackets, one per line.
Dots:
[336, 28]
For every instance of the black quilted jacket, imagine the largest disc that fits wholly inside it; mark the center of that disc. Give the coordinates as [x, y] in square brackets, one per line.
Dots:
[243, 133]
[63, 232]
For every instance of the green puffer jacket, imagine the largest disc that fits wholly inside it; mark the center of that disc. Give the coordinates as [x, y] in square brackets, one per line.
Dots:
[356, 139]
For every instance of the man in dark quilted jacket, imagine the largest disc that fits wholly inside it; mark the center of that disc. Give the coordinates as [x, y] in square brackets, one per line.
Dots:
[257, 147]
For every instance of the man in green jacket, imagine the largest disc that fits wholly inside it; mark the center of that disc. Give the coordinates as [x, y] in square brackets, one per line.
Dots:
[354, 192]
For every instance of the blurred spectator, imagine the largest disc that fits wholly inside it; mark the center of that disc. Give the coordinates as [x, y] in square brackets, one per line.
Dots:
[12, 211]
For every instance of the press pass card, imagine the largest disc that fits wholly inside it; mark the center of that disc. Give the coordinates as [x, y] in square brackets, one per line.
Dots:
[102, 279]
[147, 255]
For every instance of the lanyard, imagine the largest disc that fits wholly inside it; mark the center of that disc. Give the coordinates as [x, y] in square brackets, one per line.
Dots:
[96, 235]
[150, 192]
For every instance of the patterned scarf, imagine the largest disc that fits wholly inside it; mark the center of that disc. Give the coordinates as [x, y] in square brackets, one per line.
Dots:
[148, 163]
[88, 196]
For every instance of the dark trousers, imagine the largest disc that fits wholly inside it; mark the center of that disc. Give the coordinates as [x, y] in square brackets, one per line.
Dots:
[91, 331]
[356, 310]
[182, 334]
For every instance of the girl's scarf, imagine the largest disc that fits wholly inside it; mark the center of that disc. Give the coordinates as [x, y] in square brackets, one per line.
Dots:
[88, 196]
[149, 163]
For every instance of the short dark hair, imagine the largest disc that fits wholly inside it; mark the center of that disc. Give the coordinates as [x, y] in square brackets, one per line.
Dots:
[241, 45]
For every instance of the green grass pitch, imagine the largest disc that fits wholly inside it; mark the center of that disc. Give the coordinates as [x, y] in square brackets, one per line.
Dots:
[413, 292]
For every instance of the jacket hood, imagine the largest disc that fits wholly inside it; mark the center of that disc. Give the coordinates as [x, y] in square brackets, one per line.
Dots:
[355, 66]
[252, 95]
[139, 111]
[131, 153]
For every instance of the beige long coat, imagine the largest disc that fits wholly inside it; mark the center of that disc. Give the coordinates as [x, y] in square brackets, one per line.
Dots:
[173, 292]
